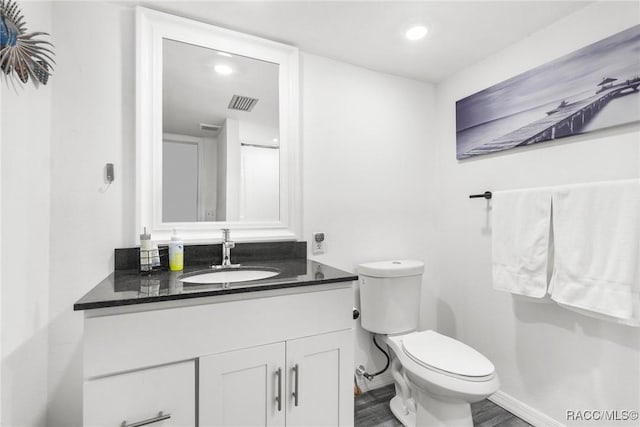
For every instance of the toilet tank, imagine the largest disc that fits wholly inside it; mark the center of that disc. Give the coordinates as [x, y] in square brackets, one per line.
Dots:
[390, 295]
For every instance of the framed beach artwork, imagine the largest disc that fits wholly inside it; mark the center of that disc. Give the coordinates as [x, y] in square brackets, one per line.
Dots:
[590, 89]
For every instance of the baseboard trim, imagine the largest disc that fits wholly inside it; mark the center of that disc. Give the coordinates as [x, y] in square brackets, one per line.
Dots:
[379, 381]
[500, 398]
[523, 411]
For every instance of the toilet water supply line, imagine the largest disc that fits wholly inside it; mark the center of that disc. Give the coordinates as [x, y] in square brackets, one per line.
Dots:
[398, 377]
[360, 371]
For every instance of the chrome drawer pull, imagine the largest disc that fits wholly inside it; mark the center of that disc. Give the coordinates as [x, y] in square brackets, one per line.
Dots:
[296, 393]
[160, 417]
[279, 396]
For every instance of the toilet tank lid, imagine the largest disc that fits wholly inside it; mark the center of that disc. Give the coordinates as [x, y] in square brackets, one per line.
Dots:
[396, 268]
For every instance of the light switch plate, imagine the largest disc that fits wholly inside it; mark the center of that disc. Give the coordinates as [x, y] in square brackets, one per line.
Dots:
[108, 171]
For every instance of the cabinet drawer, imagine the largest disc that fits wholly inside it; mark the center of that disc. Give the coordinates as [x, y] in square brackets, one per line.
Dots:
[141, 395]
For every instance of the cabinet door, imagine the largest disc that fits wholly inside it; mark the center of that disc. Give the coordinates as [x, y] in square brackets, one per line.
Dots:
[242, 388]
[143, 395]
[320, 380]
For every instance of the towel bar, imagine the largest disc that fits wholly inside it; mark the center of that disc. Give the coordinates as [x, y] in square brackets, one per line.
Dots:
[485, 195]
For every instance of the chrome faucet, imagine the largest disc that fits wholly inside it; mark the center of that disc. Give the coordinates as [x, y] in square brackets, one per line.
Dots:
[227, 245]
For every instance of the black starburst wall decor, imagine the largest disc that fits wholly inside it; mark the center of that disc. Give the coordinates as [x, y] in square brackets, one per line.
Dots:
[23, 55]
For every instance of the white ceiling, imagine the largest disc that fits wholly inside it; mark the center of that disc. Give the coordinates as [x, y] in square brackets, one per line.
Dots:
[371, 33]
[193, 93]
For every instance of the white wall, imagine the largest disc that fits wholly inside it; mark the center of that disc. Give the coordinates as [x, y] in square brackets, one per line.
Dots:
[1, 255]
[232, 158]
[210, 176]
[260, 184]
[550, 358]
[93, 123]
[25, 154]
[368, 169]
[221, 178]
[228, 183]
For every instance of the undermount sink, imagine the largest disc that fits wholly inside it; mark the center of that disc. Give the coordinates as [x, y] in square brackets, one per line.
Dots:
[230, 275]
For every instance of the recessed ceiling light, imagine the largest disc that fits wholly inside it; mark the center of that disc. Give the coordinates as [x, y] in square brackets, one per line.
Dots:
[275, 139]
[228, 55]
[416, 33]
[225, 70]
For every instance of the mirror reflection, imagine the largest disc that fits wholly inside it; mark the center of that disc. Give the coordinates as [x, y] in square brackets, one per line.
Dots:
[220, 148]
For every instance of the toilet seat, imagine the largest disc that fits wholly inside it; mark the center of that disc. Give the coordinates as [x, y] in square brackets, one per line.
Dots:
[447, 356]
[435, 381]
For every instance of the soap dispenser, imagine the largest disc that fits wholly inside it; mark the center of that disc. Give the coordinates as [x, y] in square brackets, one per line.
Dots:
[145, 251]
[176, 253]
[149, 253]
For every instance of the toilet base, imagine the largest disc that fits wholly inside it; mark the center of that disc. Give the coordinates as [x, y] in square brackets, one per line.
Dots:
[427, 399]
[406, 417]
[434, 412]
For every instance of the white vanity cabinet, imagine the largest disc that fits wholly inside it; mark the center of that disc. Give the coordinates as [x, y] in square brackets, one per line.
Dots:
[243, 387]
[320, 374]
[300, 382]
[223, 361]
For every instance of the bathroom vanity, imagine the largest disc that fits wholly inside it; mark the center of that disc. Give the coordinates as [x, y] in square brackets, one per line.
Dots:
[277, 352]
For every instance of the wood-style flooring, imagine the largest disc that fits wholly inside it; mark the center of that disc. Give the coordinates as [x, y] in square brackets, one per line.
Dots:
[372, 410]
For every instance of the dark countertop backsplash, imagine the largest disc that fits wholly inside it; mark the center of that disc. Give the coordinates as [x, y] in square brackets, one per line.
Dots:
[209, 254]
[127, 286]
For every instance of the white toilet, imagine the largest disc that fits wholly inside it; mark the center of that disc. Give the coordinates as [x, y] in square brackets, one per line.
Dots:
[436, 377]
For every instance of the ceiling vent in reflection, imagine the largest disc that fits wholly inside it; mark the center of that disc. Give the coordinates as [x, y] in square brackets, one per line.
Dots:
[212, 128]
[242, 103]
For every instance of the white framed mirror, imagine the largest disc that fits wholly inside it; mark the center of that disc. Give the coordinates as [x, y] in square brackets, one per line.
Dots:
[217, 137]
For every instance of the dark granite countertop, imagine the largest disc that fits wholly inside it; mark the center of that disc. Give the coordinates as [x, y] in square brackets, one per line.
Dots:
[127, 287]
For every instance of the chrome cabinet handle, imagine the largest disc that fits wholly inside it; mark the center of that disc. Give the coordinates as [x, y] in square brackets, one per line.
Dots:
[160, 417]
[296, 393]
[279, 396]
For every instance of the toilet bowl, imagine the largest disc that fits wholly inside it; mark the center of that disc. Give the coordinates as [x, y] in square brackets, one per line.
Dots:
[436, 377]
[444, 377]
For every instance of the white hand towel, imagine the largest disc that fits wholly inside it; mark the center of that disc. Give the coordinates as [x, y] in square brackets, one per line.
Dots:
[597, 248]
[520, 240]
[634, 321]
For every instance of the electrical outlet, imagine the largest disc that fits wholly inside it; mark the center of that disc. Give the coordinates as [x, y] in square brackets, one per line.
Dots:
[318, 245]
